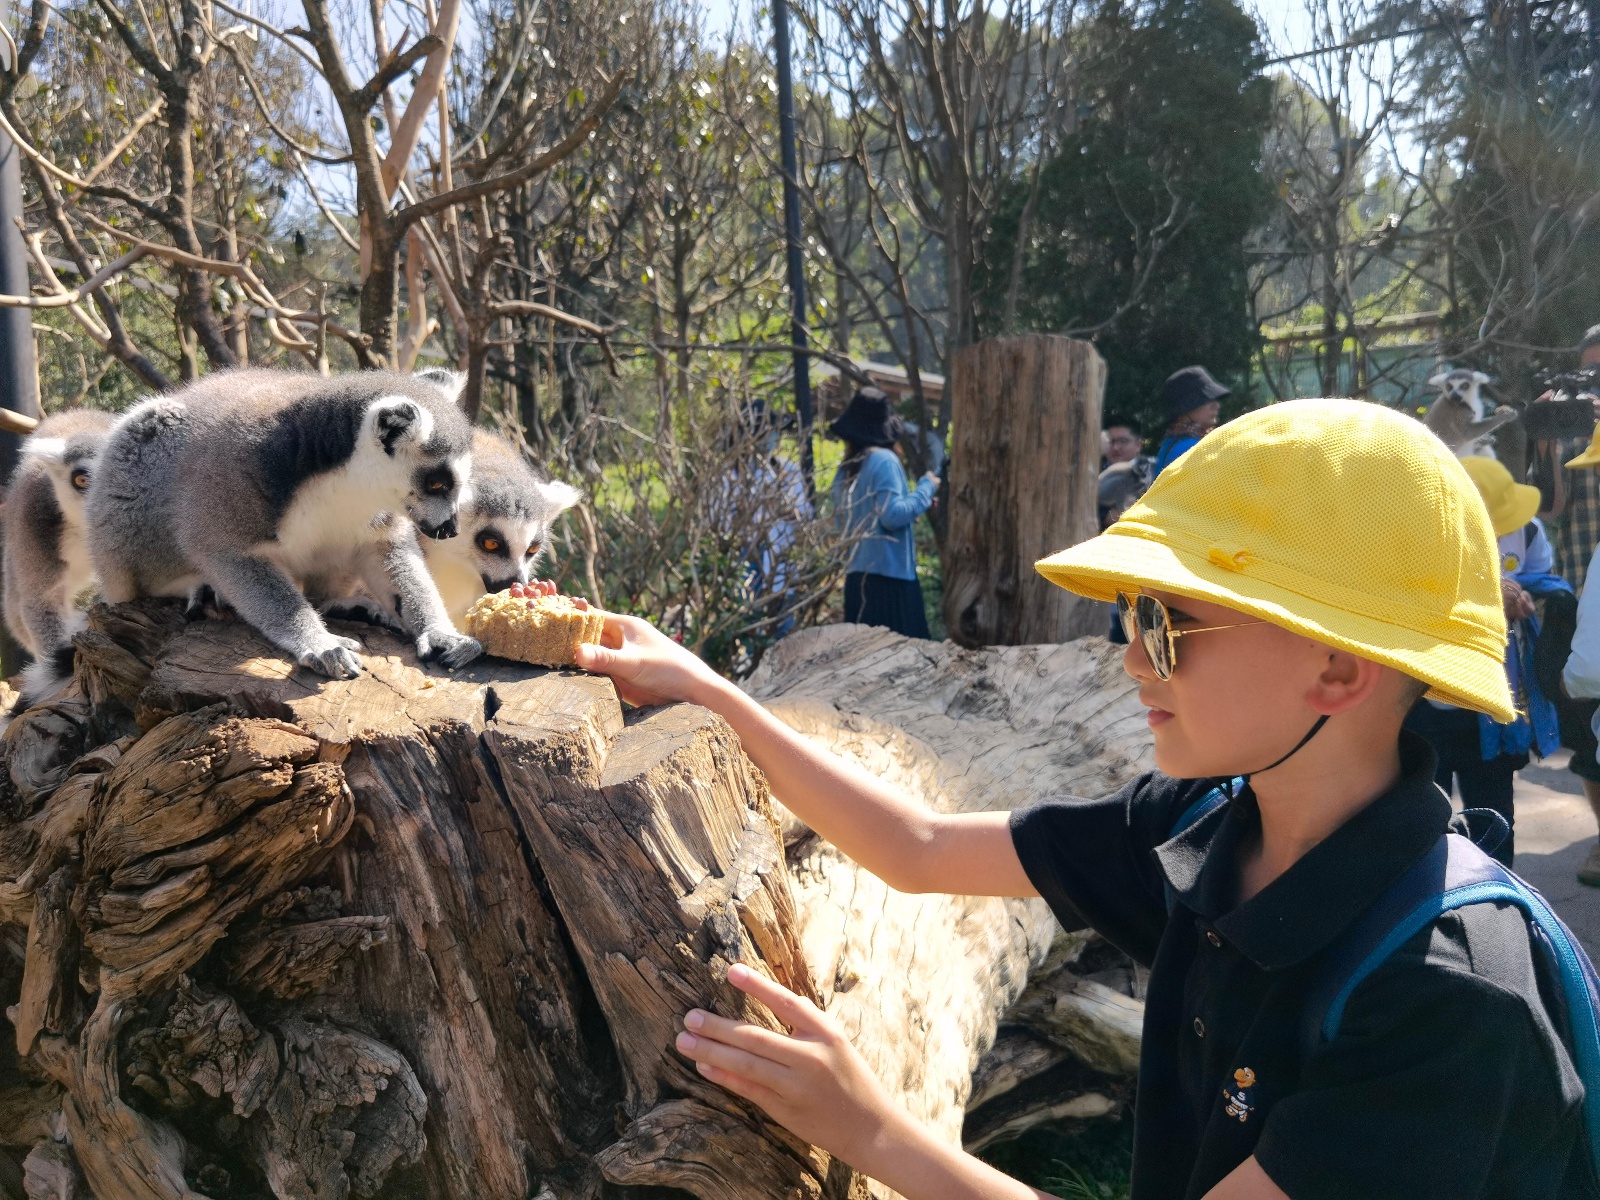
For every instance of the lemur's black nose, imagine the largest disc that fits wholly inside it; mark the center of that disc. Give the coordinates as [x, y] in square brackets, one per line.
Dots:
[444, 529]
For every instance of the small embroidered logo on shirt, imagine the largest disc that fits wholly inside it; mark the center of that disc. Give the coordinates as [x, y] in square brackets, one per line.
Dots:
[1238, 1098]
[1509, 564]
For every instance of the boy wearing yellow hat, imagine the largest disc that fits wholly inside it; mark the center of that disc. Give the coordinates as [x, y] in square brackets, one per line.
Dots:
[1292, 585]
[1477, 756]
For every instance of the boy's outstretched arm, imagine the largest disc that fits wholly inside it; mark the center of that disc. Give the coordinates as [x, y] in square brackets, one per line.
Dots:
[892, 835]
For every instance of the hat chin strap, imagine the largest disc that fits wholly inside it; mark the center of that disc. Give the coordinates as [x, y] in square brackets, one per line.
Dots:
[1298, 746]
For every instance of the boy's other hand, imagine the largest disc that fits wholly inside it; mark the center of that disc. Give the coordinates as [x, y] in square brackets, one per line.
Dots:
[812, 1081]
[647, 666]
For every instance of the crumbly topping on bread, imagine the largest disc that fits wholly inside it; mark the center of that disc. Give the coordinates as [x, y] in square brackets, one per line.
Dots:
[545, 630]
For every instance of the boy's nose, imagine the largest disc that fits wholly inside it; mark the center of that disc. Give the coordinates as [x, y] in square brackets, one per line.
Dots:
[1136, 662]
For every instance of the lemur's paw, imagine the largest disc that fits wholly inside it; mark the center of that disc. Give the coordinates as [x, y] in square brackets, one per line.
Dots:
[447, 646]
[337, 659]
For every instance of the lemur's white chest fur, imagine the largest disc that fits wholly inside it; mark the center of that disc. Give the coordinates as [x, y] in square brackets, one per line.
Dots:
[338, 512]
[460, 585]
[78, 570]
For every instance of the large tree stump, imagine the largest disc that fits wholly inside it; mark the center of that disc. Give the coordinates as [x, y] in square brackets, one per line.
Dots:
[1025, 456]
[430, 934]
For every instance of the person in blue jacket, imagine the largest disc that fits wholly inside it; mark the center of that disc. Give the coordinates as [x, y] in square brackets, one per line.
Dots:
[872, 503]
[1193, 402]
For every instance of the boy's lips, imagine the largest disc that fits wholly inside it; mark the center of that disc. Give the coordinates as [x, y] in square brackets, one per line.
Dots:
[1156, 716]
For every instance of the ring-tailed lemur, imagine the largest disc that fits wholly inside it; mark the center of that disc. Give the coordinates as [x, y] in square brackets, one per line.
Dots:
[504, 524]
[503, 527]
[259, 484]
[46, 560]
[1457, 415]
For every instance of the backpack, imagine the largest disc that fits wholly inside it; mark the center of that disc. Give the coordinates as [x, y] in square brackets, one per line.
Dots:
[1456, 872]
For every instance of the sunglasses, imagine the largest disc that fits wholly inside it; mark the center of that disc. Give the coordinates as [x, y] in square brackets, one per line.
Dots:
[1147, 621]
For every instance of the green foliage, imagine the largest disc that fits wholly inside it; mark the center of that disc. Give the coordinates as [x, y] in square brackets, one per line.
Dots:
[1091, 1162]
[1174, 111]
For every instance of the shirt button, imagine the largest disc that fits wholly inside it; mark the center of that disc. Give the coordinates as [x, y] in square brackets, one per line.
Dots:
[1199, 1027]
[1211, 936]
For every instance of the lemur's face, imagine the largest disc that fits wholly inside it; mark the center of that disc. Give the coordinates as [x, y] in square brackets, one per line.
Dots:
[434, 449]
[503, 551]
[438, 488]
[1463, 386]
[70, 474]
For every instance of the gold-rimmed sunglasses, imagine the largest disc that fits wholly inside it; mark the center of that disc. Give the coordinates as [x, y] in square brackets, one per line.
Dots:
[1147, 621]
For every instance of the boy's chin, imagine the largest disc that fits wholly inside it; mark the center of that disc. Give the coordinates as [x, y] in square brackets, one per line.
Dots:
[1177, 761]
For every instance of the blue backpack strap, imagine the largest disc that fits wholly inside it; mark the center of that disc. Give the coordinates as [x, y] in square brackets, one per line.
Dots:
[1202, 808]
[1456, 873]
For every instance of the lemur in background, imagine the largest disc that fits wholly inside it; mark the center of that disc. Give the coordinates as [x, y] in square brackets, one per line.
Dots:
[266, 485]
[1457, 415]
[46, 558]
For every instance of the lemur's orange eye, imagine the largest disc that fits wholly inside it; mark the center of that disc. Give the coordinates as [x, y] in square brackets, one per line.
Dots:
[80, 481]
[532, 550]
[492, 545]
[436, 486]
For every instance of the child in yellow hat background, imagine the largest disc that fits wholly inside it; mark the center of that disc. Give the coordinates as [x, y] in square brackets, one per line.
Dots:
[1292, 585]
[1478, 756]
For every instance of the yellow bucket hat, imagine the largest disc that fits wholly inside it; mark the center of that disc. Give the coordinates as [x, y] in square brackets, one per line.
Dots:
[1340, 520]
[1511, 504]
[1591, 456]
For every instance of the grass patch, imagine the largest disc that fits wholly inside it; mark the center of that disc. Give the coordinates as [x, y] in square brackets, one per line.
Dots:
[1091, 1162]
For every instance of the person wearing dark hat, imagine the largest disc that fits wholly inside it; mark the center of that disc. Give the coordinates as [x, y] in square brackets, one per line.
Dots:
[872, 503]
[1192, 400]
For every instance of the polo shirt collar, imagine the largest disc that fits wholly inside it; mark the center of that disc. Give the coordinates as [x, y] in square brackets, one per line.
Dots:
[1305, 908]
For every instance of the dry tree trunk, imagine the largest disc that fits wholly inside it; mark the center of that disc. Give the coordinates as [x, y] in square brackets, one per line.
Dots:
[422, 934]
[1023, 465]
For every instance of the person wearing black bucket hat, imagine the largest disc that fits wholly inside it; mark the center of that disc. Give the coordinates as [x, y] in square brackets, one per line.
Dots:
[1192, 401]
[872, 502]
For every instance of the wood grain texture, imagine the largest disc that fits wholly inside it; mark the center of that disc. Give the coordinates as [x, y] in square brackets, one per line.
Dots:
[1024, 457]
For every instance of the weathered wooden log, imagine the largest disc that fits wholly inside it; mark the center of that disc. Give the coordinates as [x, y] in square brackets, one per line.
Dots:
[1023, 462]
[431, 934]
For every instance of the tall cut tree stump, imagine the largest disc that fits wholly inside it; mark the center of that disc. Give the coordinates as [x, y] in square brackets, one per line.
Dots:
[431, 934]
[1024, 460]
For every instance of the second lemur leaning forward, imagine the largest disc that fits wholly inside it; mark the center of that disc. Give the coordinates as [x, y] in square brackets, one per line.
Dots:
[273, 483]
[46, 559]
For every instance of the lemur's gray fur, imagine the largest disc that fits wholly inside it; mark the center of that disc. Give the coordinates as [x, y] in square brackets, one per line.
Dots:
[504, 524]
[1457, 416]
[265, 485]
[46, 560]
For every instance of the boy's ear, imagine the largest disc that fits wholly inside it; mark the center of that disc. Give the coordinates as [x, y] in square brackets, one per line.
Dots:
[1347, 680]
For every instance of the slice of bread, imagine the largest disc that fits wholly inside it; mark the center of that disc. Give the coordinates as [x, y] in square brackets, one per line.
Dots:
[546, 631]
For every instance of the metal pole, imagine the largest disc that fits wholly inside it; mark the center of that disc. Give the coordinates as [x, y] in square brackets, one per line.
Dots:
[19, 371]
[791, 227]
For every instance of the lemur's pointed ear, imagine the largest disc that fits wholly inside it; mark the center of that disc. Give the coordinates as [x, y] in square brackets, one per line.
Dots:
[396, 420]
[451, 382]
[560, 496]
[1480, 377]
[1438, 380]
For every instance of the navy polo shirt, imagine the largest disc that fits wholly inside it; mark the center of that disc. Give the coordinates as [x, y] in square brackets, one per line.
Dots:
[1448, 1079]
